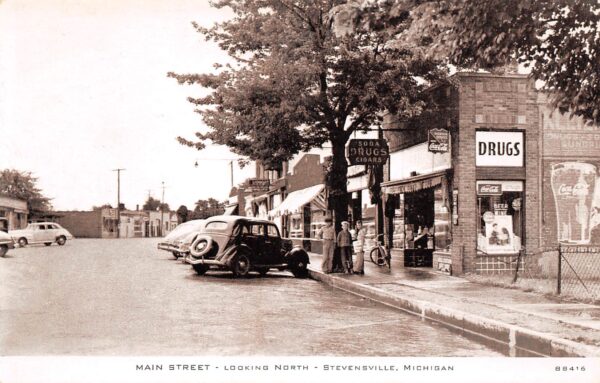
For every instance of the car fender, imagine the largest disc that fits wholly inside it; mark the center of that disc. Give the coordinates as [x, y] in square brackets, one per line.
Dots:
[230, 253]
[296, 255]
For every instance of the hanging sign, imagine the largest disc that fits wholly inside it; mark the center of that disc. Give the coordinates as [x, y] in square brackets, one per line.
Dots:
[455, 207]
[438, 140]
[258, 185]
[368, 152]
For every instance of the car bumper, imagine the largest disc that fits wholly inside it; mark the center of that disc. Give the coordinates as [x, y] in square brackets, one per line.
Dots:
[202, 261]
[11, 245]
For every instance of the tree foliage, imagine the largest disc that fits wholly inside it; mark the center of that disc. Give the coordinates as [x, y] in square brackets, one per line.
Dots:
[207, 208]
[23, 185]
[154, 204]
[558, 39]
[182, 213]
[295, 84]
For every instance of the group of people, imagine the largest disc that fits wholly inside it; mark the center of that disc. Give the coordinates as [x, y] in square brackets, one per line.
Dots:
[344, 241]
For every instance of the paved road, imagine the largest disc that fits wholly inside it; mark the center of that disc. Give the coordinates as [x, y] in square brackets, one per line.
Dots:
[123, 297]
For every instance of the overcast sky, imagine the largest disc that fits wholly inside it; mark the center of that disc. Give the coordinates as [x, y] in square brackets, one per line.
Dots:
[83, 90]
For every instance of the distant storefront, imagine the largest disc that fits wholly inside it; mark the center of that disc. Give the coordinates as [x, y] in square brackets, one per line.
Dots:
[13, 213]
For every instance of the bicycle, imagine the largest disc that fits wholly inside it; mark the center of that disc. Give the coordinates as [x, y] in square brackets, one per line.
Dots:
[379, 254]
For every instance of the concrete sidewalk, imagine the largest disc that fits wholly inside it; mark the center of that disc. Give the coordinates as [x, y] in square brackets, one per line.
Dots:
[520, 323]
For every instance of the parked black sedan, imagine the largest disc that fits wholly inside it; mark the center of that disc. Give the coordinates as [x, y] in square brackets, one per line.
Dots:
[242, 245]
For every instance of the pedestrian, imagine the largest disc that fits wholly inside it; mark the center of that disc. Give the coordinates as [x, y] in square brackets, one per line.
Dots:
[344, 242]
[327, 233]
[359, 249]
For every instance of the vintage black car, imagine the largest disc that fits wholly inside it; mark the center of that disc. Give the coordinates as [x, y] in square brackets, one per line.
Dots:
[242, 245]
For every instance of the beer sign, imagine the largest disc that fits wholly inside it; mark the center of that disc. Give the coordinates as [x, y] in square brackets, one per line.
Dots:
[438, 140]
[368, 152]
[501, 149]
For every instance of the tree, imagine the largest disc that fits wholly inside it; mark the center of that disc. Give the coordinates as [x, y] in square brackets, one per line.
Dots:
[182, 213]
[295, 84]
[559, 39]
[154, 204]
[23, 185]
[208, 208]
[105, 206]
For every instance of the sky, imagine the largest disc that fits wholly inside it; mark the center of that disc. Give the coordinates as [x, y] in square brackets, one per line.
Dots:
[83, 91]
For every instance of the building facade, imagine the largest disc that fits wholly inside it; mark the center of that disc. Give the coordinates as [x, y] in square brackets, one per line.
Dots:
[13, 213]
[474, 207]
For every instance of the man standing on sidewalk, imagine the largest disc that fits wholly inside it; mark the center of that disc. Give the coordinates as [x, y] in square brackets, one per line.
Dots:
[327, 233]
[344, 242]
[359, 249]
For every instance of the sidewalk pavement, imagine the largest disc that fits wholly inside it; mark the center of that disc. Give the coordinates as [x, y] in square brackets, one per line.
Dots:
[519, 323]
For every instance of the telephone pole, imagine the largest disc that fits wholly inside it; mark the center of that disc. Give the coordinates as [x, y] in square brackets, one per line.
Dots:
[162, 212]
[118, 200]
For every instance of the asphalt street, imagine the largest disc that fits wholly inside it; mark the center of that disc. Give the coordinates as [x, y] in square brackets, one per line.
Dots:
[124, 297]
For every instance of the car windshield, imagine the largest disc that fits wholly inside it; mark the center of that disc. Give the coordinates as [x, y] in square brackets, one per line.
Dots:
[189, 226]
[216, 226]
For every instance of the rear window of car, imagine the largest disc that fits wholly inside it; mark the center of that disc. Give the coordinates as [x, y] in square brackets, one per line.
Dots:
[216, 226]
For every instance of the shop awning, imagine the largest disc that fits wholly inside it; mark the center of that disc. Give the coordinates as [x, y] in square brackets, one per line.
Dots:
[413, 184]
[231, 209]
[295, 200]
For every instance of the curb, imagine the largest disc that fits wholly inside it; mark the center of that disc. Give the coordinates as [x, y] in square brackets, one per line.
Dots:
[518, 340]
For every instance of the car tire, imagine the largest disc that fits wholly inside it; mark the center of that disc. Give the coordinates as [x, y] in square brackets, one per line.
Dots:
[47, 243]
[3, 250]
[206, 245]
[176, 254]
[61, 240]
[200, 269]
[241, 265]
[300, 270]
[22, 242]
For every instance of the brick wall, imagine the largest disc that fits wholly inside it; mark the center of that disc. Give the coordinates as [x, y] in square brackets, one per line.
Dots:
[498, 103]
[82, 224]
[307, 172]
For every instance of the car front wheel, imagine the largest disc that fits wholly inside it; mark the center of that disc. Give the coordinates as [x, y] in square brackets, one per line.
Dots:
[22, 242]
[3, 250]
[241, 265]
[61, 240]
[200, 269]
[300, 270]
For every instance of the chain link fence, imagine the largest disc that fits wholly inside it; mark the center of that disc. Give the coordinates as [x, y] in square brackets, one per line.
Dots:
[568, 271]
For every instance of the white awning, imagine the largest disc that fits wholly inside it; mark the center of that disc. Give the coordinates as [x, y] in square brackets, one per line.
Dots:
[295, 200]
[229, 210]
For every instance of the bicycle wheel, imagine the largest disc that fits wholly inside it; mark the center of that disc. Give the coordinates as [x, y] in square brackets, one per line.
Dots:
[377, 256]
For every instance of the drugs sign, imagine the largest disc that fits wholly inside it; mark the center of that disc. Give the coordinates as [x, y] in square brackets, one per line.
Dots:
[368, 152]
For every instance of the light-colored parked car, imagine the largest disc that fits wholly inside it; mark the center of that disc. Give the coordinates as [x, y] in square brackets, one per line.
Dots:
[180, 239]
[6, 242]
[41, 232]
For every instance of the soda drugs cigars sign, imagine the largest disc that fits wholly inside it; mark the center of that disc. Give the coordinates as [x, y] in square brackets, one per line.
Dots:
[503, 149]
[368, 152]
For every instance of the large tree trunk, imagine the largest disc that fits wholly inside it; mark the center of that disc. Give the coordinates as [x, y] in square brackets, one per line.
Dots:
[337, 179]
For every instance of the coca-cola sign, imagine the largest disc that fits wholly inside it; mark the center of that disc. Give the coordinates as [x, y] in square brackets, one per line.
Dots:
[489, 189]
[438, 141]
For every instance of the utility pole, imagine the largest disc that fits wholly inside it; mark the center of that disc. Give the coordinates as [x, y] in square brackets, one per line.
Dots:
[162, 213]
[118, 200]
[231, 166]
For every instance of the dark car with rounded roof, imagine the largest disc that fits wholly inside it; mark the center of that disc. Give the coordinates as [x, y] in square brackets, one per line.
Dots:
[243, 244]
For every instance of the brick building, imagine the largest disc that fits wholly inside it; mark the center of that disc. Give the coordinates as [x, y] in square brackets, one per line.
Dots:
[472, 208]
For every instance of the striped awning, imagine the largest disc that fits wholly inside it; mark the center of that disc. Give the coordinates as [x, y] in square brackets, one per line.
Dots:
[315, 195]
[413, 184]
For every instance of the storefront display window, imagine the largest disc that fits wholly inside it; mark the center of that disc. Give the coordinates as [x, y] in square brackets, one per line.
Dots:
[296, 227]
[500, 208]
[442, 230]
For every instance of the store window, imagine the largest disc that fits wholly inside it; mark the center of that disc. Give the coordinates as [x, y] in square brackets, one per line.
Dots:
[500, 210]
[296, 225]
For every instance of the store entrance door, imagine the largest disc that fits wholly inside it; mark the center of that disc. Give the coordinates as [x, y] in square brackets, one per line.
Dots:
[419, 226]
